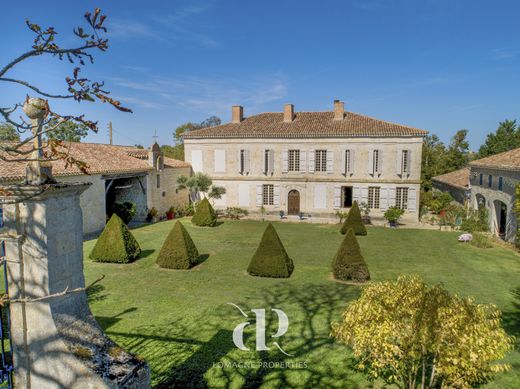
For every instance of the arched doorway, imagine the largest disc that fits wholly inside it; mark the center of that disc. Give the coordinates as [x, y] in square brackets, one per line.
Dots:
[501, 218]
[293, 202]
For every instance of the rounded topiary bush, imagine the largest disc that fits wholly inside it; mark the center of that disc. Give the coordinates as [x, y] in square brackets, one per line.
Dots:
[116, 243]
[205, 215]
[178, 250]
[354, 221]
[271, 259]
[348, 264]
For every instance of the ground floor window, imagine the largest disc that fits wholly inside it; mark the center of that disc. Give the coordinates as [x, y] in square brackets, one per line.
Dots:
[373, 197]
[268, 194]
[401, 198]
[346, 196]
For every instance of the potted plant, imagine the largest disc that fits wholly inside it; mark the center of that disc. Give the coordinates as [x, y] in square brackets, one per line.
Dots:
[282, 214]
[170, 214]
[393, 214]
[151, 215]
[363, 207]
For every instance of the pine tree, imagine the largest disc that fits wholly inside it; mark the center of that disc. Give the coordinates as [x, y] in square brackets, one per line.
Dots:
[116, 243]
[354, 221]
[348, 263]
[270, 258]
[205, 215]
[178, 250]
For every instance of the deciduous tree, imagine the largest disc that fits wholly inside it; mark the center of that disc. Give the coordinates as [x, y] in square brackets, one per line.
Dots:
[413, 334]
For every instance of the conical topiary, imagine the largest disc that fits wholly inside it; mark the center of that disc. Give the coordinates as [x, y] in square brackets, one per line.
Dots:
[205, 215]
[354, 221]
[348, 264]
[271, 259]
[178, 250]
[116, 243]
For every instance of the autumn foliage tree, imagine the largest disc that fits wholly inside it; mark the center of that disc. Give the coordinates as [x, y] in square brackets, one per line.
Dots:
[415, 335]
[79, 88]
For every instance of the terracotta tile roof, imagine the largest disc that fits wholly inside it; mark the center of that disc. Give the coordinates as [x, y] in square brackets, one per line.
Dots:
[306, 125]
[101, 159]
[458, 178]
[508, 160]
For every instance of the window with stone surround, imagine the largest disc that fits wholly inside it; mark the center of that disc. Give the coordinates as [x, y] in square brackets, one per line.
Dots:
[268, 194]
[373, 197]
[294, 160]
[401, 198]
[320, 160]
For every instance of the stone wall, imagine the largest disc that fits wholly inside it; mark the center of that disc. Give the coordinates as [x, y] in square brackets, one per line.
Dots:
[166, 194]
[493, 197]
[227, 174]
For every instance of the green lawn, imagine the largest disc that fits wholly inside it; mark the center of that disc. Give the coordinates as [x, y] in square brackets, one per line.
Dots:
[180, 322]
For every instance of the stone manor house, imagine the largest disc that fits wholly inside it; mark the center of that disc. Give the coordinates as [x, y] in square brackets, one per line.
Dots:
[115, 174]
[315, 163]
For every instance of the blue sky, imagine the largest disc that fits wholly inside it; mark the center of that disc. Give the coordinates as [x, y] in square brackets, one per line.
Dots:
[440, 65]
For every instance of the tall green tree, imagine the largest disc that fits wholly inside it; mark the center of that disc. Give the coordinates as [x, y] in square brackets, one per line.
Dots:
[505, 138]
[8, 133]
[67, 131]
[433, 160]
[457, 154]
[177, 151]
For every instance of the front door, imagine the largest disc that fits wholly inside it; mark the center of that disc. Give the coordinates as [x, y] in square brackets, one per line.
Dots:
[293, 203]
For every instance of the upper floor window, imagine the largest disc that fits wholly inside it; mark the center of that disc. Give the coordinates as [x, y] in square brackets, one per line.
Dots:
[268, 194]
[377, 161]
[158, 180]
[406, 161]
[243, 161]
[348, 162]
[320, 161]
[294, 160]
[490, 181]
[401, 198]
[500, 183]
[481, 179]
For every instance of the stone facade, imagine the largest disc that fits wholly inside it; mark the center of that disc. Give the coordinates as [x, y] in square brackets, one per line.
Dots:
[242, 166]
[497, 194]
[163, 191]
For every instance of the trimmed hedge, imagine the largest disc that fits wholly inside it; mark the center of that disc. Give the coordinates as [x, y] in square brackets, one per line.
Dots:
[205, 215]
[116, 243]
[178, 250]
[354, 221]
[348, 264]
[271, 259]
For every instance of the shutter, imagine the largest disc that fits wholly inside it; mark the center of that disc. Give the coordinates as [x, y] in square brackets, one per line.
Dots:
[391, 197]
[380, 164]
[383, 198]
[271, 161]
[356, 194]
[330, 161]
[364, 195]
[276, 195]
[239, 167]
[247, 161]
[410, 162]
[303, 161]
[312, 162]
[370, 161]
[337, 196]
[352, 161]
[344, 162]
[399, 162]
[285, 161]
[412, 199]
[259, 195]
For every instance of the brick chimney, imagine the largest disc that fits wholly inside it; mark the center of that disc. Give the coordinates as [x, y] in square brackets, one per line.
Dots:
[288, 113]
[339, 110]
[237, 113]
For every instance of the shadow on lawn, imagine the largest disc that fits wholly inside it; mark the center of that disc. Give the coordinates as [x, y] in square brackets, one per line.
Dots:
[200, 353]
[511, 320]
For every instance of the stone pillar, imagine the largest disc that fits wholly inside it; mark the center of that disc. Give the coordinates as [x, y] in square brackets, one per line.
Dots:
[56, 341]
